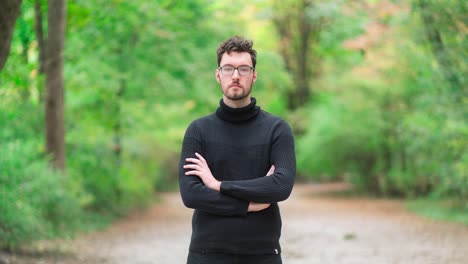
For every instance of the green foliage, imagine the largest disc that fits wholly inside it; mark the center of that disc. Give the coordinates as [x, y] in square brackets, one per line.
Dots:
[98, 176]
[444, 36]
[401, 129]
[118, 44]
[138, 72]
[35, 201]
[440, 209]
[342, 139]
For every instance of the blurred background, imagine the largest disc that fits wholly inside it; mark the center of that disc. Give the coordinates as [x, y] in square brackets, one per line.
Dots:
[375, 91]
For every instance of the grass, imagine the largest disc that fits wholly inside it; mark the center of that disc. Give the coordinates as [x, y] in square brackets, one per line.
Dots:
[441, 210]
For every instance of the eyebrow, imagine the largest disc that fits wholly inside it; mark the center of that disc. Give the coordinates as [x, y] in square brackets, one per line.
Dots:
[235, 66]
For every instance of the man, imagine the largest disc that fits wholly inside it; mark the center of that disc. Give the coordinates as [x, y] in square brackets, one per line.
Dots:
[236, 165]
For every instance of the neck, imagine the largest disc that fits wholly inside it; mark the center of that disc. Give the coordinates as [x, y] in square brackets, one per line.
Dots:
[237, 103]
[237, 114]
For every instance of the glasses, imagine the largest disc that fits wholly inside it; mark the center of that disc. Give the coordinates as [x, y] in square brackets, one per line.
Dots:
[243, 70]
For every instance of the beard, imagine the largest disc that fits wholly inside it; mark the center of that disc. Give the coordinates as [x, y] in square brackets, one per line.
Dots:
[236, 96]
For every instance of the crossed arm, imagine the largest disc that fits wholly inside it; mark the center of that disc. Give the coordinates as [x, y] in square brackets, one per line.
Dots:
[200, 190]
[199, 167]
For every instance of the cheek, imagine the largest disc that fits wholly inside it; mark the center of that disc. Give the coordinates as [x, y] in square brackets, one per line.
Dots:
[221, 82]
[250, 82]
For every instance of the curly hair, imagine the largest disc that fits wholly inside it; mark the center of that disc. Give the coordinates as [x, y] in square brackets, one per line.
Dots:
[238, 44]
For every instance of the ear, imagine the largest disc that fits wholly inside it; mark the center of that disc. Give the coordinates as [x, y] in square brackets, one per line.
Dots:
[218, 77]
[254, 77]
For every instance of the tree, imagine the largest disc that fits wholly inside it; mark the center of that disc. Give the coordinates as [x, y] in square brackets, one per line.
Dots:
[54, 105]
[299, 24]
[436, 41]
[39, 34]
[9, 11]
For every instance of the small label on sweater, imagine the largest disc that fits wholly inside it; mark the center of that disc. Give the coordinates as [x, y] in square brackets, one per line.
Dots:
[276, 251]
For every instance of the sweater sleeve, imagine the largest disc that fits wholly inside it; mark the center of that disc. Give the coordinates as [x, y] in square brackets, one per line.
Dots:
[194, 193]
[276, 187]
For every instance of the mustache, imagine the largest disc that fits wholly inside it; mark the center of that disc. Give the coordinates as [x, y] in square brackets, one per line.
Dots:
[235, 84]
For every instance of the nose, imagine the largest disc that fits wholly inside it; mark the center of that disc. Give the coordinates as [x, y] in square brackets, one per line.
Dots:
[235, 74]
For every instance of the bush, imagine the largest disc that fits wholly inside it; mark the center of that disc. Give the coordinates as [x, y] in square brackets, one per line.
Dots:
[338, 142]
[95, 168]
[116, 185]
[35, 201]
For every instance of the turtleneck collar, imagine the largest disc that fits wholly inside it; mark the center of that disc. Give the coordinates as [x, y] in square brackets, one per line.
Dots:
[235, 115]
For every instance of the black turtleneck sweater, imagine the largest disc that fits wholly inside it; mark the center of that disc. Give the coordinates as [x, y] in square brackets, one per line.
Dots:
[240, 145]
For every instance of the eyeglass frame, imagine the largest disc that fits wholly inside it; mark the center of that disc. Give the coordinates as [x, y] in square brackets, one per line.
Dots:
[220, 68]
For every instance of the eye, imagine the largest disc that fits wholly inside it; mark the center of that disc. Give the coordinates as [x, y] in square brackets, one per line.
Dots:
[244, 69]
[228, 69]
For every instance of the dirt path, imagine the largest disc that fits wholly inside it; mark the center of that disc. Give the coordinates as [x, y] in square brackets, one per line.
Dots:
[316, 229]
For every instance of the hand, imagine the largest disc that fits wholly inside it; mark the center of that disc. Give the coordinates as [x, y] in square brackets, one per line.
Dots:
[255, 207]
[200, 169]
[271, 171]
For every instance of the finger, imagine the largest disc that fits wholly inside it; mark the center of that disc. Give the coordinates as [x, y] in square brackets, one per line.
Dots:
[193, 172]
[193, 160]
[192, 166]
[200, 157]
[271, 171]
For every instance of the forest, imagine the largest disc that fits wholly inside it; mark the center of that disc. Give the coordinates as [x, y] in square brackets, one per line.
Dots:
[95, 97]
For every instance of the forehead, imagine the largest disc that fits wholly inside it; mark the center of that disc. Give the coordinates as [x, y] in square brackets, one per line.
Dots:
[236, 58]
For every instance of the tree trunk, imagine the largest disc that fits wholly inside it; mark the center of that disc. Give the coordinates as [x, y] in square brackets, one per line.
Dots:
[25, 39]
[296, 32]
[39, 34]
[54, 105]
[387, 133]
[438, 47]
[39, 30]
[9, 11]
[305, 27]
[118, 125]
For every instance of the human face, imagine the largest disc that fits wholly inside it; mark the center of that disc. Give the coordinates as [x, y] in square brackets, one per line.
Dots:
[236, 88]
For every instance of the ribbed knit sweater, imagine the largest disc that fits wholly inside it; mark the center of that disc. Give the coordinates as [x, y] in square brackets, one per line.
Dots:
[239, 145]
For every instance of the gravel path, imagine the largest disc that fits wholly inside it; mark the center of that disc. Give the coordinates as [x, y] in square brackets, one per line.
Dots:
[317, 228]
